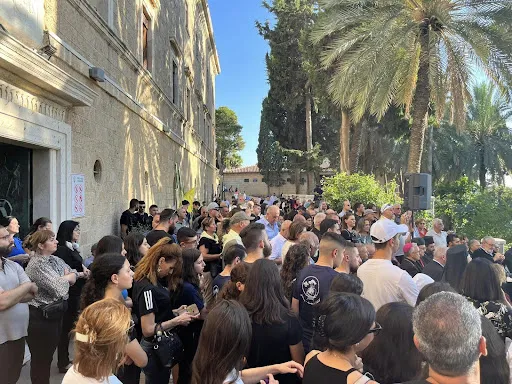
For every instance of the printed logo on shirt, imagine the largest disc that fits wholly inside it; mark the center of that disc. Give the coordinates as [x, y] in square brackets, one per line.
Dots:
[311, 290]
[215, 290]
[148, 298]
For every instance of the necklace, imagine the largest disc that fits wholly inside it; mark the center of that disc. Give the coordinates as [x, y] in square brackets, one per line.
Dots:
[342, 356]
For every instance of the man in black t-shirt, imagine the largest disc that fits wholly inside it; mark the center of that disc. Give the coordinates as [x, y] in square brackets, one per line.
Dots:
[234, 255]
[143, 220]
[313, 282]
[449, 320]
[165, 227]
[128, 218]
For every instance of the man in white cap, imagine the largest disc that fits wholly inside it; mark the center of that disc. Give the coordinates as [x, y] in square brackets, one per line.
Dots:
[383, 282]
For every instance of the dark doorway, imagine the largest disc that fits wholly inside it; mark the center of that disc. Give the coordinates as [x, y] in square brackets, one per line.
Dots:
[16, 184]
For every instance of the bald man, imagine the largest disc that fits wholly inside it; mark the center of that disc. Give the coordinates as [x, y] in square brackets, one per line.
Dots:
[278, 242]
[270, 221]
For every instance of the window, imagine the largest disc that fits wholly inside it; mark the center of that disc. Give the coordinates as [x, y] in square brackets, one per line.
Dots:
[188, 105]
[175, 83]
[146, 40]
[97, 171]
[246, 180]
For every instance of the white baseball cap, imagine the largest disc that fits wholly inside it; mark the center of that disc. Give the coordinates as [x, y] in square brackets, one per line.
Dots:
[385, 207]
[211, 206]
[384, 230]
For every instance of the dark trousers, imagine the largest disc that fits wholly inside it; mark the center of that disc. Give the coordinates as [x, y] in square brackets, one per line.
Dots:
[11, 356]
[68, 322]
[43, 337]
[154, 371]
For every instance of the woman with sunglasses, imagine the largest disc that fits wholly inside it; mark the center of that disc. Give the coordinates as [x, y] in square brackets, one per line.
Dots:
[347, 322]
[420, 228]
[68, 236]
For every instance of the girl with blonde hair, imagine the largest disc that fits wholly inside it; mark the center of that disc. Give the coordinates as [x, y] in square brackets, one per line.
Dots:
[101, 335]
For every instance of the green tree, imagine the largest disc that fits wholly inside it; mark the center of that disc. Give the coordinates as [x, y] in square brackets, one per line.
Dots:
[487, 129]
[358, 188]
[229, 138]
[411, 53]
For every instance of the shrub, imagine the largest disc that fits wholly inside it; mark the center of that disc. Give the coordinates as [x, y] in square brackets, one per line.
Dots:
[358, 188]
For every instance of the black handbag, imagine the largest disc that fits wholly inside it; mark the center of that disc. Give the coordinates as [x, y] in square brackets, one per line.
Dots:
[167, 346]
[54, 310]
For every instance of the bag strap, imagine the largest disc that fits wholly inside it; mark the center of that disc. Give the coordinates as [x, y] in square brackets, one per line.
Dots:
[363, 379]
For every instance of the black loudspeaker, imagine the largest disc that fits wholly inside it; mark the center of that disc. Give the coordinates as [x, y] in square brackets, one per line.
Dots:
[418, 191]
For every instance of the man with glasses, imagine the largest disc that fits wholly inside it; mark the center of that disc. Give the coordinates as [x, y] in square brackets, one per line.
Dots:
[486, 251]
[437, 233]
[187, 238]
[15, 291]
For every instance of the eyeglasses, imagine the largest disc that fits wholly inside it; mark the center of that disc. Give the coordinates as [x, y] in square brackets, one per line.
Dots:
[375, 330]
[77, 229]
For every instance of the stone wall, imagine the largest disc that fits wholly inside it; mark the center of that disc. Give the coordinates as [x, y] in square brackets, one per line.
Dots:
[252, 184]
[137, 126]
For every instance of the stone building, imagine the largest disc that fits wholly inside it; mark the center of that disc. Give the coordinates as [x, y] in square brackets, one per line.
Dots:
[249, 180]
[140, 130]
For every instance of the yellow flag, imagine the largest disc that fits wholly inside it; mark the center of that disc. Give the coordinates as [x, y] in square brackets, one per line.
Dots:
[190, 197]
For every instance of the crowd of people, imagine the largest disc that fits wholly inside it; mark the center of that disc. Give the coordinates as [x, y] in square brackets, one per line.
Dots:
[256, 290]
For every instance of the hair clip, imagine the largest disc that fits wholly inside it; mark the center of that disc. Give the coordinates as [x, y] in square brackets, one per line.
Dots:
[81, 337]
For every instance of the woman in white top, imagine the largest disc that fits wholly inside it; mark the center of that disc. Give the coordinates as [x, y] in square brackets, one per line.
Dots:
[223, 346]
[101, 335]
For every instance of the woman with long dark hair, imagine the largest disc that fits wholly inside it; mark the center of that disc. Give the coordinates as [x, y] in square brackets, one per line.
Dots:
[276, 331]
[296, 259]
[481, 286]
[348, 224]
[110, 244]
[347, 322]
[110, 275]
[40, 224]
[53, 278]
[363, 231]
[227, 333]
[68, 237]
[494, 367]
[188, 294]
[136, 247]
[456, 263]
[156, 278]
[392, 356]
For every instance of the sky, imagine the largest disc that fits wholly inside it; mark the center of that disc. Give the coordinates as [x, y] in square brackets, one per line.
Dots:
[242, 84]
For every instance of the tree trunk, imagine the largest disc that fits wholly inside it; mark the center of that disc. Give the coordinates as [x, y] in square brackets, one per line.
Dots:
[482, 170]
[309, 137]
[355, 151]
[344, 141]
[420, 104]
[430, 165]
[297, 180]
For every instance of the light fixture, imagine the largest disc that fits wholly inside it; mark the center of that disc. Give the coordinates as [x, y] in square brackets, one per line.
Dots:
[47, 49]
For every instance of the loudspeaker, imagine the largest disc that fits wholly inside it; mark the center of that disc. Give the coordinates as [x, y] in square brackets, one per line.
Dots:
[418, 191]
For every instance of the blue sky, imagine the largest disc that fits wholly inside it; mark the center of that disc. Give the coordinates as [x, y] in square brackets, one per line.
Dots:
[242, 84]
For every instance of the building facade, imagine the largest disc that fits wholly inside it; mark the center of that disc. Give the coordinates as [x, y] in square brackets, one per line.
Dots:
[75, 143]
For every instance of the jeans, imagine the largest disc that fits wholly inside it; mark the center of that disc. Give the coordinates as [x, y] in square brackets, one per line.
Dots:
[11, 356]
[43, 337]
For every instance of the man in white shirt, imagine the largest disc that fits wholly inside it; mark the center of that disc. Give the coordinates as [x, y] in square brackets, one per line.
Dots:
[278, 242]
[437, 233]
[383, 282]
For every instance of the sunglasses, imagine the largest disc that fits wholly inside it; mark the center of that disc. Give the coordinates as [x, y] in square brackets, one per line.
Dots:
[375, 330]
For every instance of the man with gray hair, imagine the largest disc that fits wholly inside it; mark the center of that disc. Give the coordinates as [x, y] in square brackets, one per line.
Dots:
[435, 268]
[486, 251]
[437, 233]
[448, 333]
[319, 217]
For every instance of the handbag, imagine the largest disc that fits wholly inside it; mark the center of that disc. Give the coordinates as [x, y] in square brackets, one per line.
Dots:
[166, 346]
[54, 310]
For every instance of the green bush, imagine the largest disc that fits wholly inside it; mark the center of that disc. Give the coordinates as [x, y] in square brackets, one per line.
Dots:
[358, 188]
[471, 212]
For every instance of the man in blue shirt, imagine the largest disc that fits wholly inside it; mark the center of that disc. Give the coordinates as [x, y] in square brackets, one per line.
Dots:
[270, 221]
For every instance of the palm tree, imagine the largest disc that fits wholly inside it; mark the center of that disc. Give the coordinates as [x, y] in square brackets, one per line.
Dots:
[491, 138]
[411, 53]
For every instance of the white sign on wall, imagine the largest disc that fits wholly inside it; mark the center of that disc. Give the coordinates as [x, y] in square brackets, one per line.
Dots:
[78, 195]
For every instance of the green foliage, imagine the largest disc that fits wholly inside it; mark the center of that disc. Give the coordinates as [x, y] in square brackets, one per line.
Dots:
[228, 137]
[358, 188]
